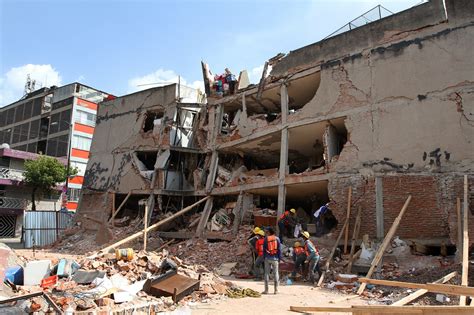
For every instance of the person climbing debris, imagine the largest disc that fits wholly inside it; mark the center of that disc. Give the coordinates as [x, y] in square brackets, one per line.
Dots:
[313, 257]
[299, 257]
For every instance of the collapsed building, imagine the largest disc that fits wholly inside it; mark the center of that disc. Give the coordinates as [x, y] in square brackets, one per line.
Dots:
[385, 109]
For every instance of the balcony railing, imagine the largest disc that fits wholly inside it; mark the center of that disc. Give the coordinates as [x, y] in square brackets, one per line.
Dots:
[12, 174]
[12, 203]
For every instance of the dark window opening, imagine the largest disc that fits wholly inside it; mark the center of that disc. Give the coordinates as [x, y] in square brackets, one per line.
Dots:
[44, 127]
[34, 129]
[41, 147]
[149, 121]
[336, 138]
[148, 158]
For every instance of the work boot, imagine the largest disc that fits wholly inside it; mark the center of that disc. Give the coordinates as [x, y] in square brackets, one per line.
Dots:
[276, 291]
[265, 292]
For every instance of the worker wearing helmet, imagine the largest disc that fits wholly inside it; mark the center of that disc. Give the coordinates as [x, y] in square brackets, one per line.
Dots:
[287, 223]
[312, 257]
[258, 266]
[299, 257]
[252, 242]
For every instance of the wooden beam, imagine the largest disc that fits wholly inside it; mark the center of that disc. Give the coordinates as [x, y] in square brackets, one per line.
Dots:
[328, 261]
[145, 231]
[355, 235]
[459, 230]
[346, 234]
[418, 293]
[204, 217]
[430, 287]
[150, 228]
[386, 309]
[120, 207]
[352, 259]
[465, 243]
[386, 241]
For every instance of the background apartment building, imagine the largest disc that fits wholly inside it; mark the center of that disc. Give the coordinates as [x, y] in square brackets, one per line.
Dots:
[55, 121]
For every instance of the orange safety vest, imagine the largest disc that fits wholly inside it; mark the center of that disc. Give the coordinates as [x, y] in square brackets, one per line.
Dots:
[284, 215]
[299, 250]
[259, 246]
[272, 245]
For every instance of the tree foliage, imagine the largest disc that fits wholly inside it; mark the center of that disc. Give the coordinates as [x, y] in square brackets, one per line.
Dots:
[44, 174]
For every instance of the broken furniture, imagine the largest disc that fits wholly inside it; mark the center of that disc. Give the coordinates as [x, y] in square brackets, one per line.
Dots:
[171, 284]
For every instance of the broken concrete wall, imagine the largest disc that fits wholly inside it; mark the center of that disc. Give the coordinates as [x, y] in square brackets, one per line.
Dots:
[396, 98]
[363, 37]
[119, 133]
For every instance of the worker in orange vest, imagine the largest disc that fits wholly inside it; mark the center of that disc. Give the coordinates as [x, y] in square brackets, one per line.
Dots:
[287, 223]
[258, 266]
[312, 255]
[299, 257]
[272, 255]
[251, 242]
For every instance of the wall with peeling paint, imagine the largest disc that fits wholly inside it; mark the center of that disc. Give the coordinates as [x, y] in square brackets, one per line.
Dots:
[119, 133]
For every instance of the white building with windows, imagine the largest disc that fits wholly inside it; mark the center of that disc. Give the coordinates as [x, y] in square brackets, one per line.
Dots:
[56, 121]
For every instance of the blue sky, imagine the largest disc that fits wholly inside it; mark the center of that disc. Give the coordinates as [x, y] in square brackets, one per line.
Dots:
[117, 45]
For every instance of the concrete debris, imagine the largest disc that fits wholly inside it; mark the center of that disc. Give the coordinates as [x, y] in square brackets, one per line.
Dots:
[105, 284]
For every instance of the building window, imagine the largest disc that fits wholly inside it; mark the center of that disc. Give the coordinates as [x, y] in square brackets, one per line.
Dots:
[81, 167]
[85, 118]
[81, 143]
[73, 194]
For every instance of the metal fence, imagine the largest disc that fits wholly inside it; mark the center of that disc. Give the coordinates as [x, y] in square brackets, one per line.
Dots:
[41, 228]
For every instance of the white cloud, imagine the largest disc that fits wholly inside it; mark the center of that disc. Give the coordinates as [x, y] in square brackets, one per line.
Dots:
[159, 78]
[12, 83]
[256, 74]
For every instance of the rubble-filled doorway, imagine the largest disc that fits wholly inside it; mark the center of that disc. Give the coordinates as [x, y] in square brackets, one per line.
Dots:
[307, 199]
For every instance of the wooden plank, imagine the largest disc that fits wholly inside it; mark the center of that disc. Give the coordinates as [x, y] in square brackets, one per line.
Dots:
[150, 228]
[145, 229]
[120, 207]
[328, 261]
[385, 309]
[386, 241]
[21, 297]
[415, 295]
[459, 228]
[346, 235]
[431, 287]
[355, 235]
[465, 244]
[352, 259]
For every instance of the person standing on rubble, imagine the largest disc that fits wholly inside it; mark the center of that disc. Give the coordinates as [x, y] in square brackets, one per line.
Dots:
[259, 262]
[272, 257]
[312, 255]
[299, 257]
[287, 223]
[252, 244]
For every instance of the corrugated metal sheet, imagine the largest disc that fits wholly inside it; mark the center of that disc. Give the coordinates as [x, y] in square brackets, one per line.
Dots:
[42, 228]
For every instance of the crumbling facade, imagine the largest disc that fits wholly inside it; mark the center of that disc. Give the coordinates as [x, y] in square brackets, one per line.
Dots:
[386, 109]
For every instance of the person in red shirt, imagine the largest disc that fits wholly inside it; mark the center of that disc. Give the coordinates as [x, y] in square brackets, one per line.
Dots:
[287, 223]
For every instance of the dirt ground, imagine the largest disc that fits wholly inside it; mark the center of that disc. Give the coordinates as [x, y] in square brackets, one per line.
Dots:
[296, 295]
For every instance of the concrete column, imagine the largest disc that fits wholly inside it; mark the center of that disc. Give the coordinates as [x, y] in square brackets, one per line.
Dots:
[379, 207]
[283, 151]
[284, 103]
[282, 171]
[379, 215]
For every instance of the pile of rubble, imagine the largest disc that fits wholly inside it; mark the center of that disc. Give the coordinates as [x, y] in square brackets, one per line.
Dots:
[198, 251]
[125, 280]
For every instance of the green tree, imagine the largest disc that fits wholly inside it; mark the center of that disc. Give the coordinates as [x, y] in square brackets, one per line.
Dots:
[44, 174]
